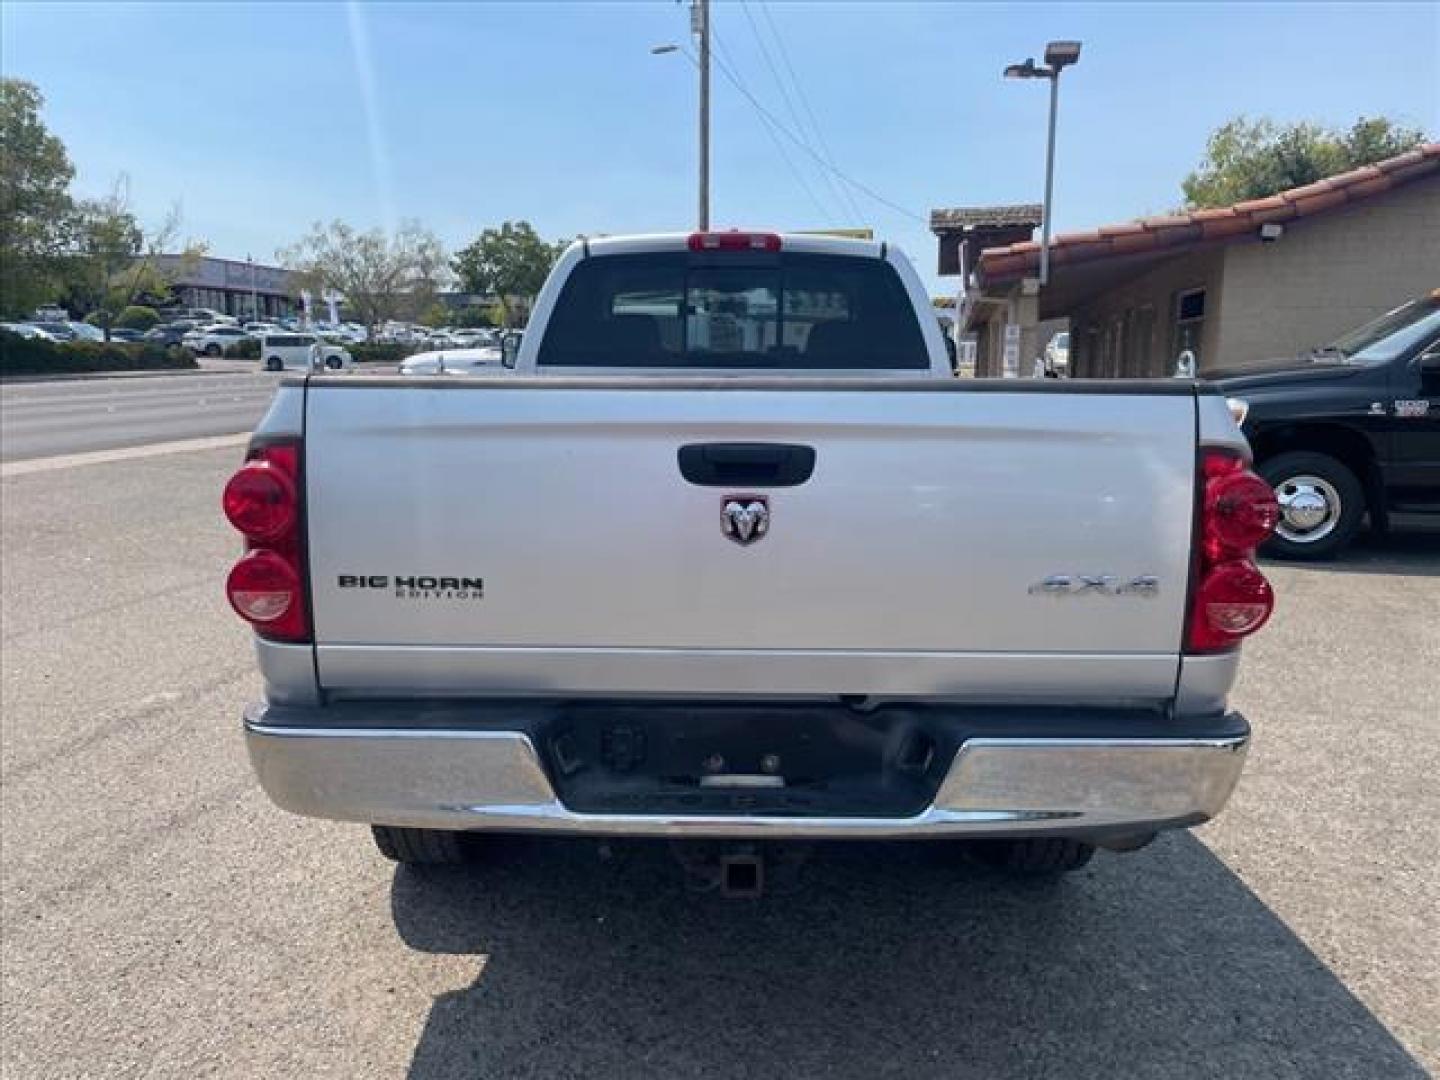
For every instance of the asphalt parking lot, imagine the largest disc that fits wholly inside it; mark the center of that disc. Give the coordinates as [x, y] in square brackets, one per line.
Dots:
[160, 918]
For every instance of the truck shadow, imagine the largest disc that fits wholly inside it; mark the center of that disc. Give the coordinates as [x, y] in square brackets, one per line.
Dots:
[1415, 552]
[887, 961]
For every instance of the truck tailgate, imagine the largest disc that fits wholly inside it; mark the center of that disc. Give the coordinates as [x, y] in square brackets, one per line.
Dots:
[533, 535]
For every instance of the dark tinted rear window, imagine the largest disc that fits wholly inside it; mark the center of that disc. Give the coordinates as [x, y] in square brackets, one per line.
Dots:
[786, 311]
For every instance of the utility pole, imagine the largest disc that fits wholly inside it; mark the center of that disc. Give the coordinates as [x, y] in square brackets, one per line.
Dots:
[700, 24]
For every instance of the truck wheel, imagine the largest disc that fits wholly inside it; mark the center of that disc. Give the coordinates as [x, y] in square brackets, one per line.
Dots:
[423, 847]
[1321, 505]
[274, 364]
[212, 349]
[1039, 856]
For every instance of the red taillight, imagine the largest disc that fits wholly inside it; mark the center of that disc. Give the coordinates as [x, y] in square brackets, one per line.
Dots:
[1240, 510]
[263, 588]
[1233, 599]
[259, 500]
[734, 240]
[267, 586]
[1230, 597]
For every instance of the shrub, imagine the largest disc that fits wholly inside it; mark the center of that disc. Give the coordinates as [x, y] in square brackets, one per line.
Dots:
[380, 354]
[244, 349]
[475, 316]
[32, 356]
[137, 317]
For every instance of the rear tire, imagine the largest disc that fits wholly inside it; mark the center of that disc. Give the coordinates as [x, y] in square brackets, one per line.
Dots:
[1033, 857]
[213, 350]
[274, 364]
[1322, 505]
[423, 847]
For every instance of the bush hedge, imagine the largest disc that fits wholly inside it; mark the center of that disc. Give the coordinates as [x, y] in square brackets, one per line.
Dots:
[381, 353]
[33, 356]
[137, 317]
[244, 349]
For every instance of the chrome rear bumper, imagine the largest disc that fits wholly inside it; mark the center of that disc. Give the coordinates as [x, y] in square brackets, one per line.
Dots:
[428, 777]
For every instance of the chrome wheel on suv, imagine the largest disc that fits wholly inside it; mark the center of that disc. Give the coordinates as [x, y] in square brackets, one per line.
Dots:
[1310, 508]
[1321, 504]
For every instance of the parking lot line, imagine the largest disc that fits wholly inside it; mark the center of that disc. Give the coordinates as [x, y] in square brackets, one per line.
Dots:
[128, 453]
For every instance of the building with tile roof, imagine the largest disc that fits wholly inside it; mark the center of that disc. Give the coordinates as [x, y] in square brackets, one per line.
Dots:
[1233, 285]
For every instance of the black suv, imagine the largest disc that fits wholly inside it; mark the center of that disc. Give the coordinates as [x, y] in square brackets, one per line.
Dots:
[1347, 428]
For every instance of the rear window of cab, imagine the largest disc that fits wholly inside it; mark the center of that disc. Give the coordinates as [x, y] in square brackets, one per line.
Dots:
[747, 311]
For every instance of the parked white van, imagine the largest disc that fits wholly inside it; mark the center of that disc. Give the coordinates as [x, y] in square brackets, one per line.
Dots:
[302, 352]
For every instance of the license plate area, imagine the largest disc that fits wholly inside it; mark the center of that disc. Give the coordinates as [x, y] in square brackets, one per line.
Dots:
[752, 760]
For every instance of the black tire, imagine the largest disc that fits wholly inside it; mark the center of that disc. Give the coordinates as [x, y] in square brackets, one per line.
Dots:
[1340, 525]
[213, 350]
[1035, 857]
[274, 364]
[423, 847]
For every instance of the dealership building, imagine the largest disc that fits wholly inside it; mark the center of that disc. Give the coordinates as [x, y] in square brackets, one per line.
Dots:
[230, 286]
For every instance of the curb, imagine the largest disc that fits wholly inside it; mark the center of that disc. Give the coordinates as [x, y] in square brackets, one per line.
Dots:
[148, 373]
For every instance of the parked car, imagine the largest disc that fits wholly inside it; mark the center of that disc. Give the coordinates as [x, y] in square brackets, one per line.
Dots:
[302, 352]
[60, 331]
[452, 361]
[257, 329]
[214, 339]
[168, 333]
[1349, 429]
[694, 574]
[28, 330]
[1057, 353]
[474, 337]
[126, 335]
[84, 331]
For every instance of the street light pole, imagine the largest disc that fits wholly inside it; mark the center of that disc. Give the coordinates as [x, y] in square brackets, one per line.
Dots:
[701, 19]
[1058, 55]
[1049, 181]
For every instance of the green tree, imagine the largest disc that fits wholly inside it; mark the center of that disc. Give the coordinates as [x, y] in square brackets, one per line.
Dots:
[1250, 159]
[112, 261]
[35, 174]
[509, 262]
[381, 277]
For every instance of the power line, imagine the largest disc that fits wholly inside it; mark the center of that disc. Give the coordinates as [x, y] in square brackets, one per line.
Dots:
[783, 130]
[720, 57]
[805, 101]
[835, 189]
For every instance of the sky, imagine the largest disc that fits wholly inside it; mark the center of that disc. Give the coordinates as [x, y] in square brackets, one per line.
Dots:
[259, 119]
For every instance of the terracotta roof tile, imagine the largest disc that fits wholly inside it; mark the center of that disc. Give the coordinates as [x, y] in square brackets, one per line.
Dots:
[1215, 228]
[1270, 202]
[1315, 201]
[1317, 188]
[1216, 224]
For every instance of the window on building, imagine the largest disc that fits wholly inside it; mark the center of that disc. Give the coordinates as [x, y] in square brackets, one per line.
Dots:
[1189, 325]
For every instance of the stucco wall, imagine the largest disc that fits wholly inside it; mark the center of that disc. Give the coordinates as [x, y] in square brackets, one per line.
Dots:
[1157, 289]
[1328, 274]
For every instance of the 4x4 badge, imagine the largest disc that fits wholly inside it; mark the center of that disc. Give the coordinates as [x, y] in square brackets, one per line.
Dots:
[745, 518]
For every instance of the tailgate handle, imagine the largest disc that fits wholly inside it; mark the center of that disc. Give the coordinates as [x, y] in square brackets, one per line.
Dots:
[739, 464]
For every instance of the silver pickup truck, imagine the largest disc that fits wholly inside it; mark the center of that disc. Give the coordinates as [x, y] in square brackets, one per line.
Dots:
[728, 553]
